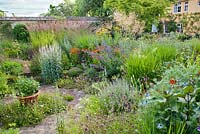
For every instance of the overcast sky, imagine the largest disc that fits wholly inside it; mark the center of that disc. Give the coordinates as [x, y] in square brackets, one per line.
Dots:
[26, 7]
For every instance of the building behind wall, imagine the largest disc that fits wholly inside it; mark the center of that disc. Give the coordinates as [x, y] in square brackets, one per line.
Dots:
[186, 13]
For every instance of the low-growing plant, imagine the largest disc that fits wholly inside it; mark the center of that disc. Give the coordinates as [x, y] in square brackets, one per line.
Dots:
[30, 114]
[11, 67]
[4, 89]
[68, 97]
[26, 87]
[119, 96]
[50, 62]
[75, 71]
[67, 83]
[10, 49]
[10, 131]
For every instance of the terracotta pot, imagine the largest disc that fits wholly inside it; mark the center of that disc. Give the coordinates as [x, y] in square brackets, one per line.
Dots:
[29, 99]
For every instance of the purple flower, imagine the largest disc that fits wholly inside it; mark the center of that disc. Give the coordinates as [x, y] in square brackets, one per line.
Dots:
[198, 128]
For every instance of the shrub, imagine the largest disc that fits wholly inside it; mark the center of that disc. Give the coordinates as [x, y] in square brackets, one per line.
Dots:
[11, 67]
[50, 62]
[75, 71]
[108, 59]
[4, 89]
[31, 114]
[26, 87]
[10, 49]
[21, 33]
[118, 97]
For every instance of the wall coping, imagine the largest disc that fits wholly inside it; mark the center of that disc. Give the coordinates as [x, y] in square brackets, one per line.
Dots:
[48, 19]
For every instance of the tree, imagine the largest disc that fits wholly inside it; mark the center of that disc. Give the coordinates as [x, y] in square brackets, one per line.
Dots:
[148, 11]
[62, 10]
[92, 8]
[2, 13]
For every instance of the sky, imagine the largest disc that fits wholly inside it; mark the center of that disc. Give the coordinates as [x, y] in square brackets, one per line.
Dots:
[31, 8]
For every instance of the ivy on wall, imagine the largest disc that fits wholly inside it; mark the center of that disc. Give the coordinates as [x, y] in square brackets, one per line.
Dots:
[190, 22]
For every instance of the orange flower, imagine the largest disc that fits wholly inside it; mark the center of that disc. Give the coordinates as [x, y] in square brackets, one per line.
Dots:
[198, 73]
[84, 50]
[95, 51]
[172, 81]
[74, 50]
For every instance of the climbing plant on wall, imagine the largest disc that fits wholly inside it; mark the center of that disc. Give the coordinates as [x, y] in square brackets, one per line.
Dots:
[190, 22]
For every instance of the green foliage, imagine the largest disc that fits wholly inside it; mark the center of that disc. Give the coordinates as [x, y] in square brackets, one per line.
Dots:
[2, 13]
[10, 131]
[10, 49]
[62, 10]
[139, 66]
[20, 33]
[85, 41]
[147, 11]
[92, 8]
[65, 83]
[75, 71]
[175, 97]
[50, 62]
[11, 67]
[35, 65]
[68, 97]
[149, 62]
[118, 96]
[92, 105]
[6, 29]
[117, 124]
[96, 87]
[171, 26]
[110, 124]
[15, 49]
[31, 114]
[184, 37]
[42, 38]
[4, 89]
[26, 87]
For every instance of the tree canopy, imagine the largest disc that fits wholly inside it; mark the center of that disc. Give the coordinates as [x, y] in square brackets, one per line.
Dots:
[62, 10]
[92, 8]
[148, 11]
[2, 13]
